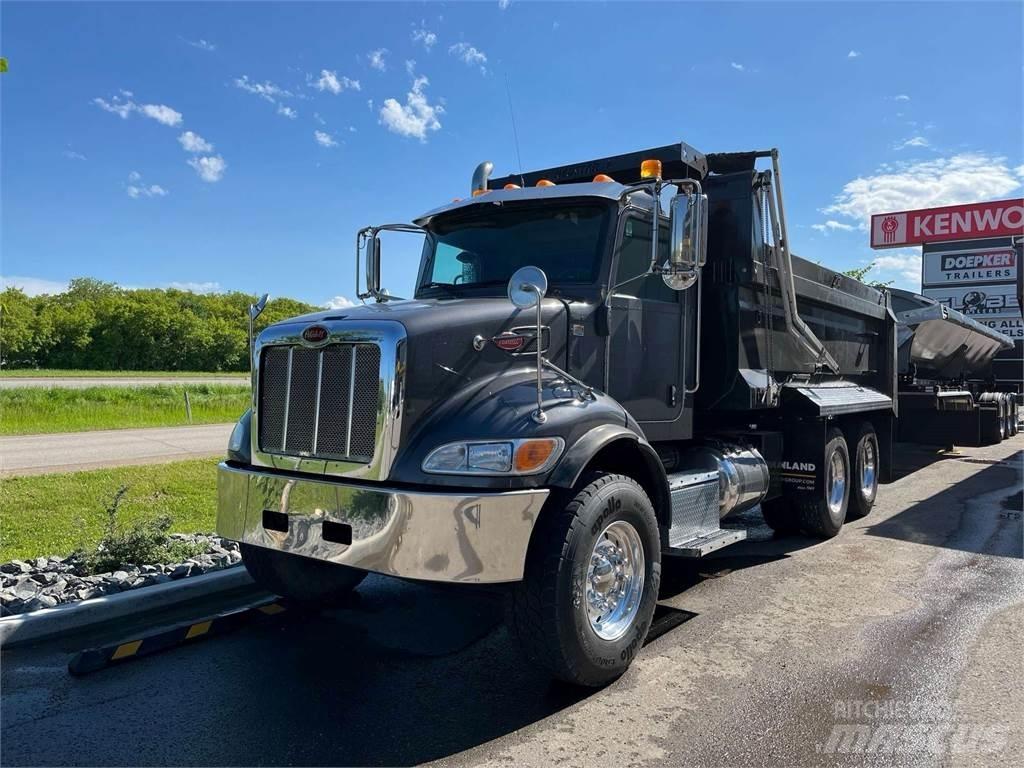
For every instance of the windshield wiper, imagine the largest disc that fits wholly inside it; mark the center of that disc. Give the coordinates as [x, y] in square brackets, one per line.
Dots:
[446, 287]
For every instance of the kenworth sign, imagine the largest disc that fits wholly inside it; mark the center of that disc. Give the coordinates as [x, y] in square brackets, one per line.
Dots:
[1003, 218]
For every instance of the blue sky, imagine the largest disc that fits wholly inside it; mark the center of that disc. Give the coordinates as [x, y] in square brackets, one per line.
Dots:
[240, 146]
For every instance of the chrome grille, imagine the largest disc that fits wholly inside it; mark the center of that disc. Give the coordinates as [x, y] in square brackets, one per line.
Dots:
[320, 402]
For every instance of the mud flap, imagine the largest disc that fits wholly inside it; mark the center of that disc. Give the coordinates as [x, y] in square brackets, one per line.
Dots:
[801, 469]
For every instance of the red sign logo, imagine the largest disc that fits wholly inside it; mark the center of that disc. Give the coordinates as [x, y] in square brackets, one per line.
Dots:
[510, 342]
[315, 334]
[889, 227]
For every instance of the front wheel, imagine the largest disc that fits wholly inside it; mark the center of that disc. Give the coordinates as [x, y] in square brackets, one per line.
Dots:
[591, 583]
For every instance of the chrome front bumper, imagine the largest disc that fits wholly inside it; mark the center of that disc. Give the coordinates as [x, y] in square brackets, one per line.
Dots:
[452, 537]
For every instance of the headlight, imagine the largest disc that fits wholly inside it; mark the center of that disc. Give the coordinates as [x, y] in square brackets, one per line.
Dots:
[496, 457]
[238, 443]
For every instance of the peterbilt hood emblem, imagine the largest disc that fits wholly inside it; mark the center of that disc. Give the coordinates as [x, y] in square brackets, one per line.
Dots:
[315, 334]
[510, 342]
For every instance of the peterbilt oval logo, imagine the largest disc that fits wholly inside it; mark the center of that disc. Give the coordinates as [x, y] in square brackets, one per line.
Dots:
[510, 342]
[315, 334]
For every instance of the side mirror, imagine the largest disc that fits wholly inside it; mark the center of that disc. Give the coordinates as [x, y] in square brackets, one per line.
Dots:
[373, 265]
[527, 286]
[255, 310]
[688, 224]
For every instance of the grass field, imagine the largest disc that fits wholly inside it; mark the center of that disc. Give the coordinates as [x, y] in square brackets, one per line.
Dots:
[56, 514]
[64, 373]
[25, 411]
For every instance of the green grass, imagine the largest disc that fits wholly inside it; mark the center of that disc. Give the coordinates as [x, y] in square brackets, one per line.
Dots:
[64, 373]
[25, 411]
[56, 514]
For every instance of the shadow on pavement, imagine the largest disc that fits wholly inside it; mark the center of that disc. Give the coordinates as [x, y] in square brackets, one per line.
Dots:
[988, 497]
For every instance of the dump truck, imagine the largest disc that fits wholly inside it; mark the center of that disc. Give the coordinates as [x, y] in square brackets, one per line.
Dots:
[600, 363]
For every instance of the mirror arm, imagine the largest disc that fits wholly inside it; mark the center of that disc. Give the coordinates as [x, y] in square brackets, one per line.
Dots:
[539, 416]
[370, 233]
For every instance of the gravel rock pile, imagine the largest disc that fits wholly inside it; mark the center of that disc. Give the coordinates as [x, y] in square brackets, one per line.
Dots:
[45, 582]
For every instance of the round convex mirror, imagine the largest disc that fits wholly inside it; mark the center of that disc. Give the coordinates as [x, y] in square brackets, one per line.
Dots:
[527, 286]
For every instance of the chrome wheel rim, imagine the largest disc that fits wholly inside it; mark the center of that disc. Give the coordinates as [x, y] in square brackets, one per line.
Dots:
[836, 483]
[868, 468]
[615, 580]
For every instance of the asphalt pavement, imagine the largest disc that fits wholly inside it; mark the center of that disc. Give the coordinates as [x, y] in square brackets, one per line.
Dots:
[896, 643]
[74, 451]
[81, 382]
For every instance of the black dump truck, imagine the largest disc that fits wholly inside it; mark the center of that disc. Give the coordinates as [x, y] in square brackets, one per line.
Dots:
[567, 400]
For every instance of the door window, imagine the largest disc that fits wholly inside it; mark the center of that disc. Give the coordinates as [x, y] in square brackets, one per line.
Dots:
[634, 258]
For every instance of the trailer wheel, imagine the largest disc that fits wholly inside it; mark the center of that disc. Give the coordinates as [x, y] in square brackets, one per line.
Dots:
[298, 578]
[588, 593]
[780, 515]
[824, 516]
[864, 482]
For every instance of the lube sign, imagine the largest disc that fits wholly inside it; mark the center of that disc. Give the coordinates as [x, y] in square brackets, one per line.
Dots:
[1003, 218]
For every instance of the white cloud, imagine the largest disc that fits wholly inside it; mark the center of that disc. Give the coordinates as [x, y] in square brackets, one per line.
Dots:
[209, 286]
[504, 4]
[193, 142]
[324, 139]
[210, 169]
[136, 188]
[369, 104]
[425, 36]
[901, 97]
[853, 55]
[963, 178]
[288, 112]
[70, 154]
[123, 106]
[903, 266]
[416, 116]
[913, 141]
[33, 286]
[161, 113]
[831, 226]
[410, 67]
[737, 67]
[338, 302]
[266, 90]
[329, 81]
[470, 55]
[376, 59]
[201, 44]
[320, 120]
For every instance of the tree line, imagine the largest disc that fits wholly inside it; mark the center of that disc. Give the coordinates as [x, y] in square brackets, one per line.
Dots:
[100, 326]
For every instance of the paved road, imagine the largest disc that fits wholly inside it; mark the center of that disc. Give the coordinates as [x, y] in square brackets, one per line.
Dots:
[115, 381]
[73, 451]
[764, 651]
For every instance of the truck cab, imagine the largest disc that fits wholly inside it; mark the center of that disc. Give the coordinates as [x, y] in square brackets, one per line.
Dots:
[566, 399]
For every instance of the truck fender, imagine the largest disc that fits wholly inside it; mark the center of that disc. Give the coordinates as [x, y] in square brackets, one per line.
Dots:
[580, 455]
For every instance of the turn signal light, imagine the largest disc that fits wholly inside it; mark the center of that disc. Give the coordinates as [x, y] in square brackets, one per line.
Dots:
[603, 177]
[545, 183]
[650, 169]
[533, 454]
[477, 192]
[512, 186]
[456, 199]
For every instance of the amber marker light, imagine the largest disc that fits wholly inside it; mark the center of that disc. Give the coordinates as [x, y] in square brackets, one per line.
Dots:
[545, 183]
[603, 177]
[533, 454]
[650, 169]
[512, 186]
[478, 192]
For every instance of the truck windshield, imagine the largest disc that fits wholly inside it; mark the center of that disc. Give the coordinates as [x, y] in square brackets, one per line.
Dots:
[484, 248]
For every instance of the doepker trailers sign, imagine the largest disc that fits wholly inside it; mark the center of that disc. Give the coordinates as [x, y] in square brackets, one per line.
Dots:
[1003, 218]
[958, 267]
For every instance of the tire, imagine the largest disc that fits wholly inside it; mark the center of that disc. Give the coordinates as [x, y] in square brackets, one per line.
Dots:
[864, 479]
[823, 517]
[298, 578]
[550, 609]
[780, 515]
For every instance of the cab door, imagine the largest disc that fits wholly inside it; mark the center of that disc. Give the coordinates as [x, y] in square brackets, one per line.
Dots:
[645, 370]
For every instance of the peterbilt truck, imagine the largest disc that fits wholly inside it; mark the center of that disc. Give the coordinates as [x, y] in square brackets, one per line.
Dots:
[566, 401]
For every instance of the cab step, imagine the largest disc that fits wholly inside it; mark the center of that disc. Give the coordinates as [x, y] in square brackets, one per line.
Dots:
[705, 545]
